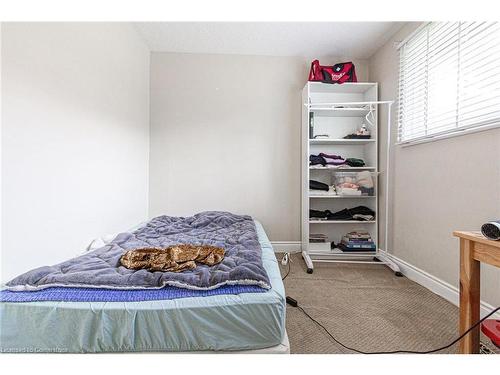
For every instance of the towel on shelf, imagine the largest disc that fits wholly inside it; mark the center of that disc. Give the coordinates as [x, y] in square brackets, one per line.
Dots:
[354, 162]
[349, 191]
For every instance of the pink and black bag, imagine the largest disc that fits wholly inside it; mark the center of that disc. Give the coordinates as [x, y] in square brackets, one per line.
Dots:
[339, 73]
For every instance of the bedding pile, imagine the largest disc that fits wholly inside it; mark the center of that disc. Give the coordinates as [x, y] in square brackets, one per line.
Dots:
[240, 267]
[94, 320]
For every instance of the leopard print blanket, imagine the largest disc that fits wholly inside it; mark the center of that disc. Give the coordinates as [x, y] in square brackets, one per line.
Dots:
[174, 258]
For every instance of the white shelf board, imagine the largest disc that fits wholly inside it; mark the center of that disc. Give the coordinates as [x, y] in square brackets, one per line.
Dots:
[343, 169]
[346, 254]
[344, 88]
[340, 112]
[341, 196]
[324, 252]
[341, 222]
[341, 141]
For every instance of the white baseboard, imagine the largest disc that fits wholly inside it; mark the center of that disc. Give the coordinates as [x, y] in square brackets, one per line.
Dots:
[287, 246]
[436, 285]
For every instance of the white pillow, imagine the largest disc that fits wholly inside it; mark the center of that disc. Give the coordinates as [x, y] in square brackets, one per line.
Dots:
[107, 238]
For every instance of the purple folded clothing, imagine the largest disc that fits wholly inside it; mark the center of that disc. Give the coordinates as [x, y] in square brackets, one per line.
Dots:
[119, 295]
[330, 156]
[332, 159]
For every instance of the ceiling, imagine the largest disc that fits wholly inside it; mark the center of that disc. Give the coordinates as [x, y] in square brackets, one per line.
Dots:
[305, 39]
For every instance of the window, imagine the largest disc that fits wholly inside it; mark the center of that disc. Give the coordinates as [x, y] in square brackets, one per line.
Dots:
[449, 80]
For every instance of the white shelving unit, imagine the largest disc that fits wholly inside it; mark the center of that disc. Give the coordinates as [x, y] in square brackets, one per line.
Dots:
[339, 110]
[340, 141]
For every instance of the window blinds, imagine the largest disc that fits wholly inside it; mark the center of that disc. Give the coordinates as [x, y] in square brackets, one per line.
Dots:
[449, 79]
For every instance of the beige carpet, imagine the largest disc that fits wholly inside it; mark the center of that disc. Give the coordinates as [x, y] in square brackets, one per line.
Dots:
[366, 307]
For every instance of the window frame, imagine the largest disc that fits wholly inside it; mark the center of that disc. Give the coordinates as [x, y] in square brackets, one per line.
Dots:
[444, 134]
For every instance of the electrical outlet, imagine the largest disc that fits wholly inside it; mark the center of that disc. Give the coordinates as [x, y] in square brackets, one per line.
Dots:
[285, 259]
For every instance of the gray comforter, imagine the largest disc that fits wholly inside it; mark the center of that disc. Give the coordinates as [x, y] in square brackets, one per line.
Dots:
[100, 268]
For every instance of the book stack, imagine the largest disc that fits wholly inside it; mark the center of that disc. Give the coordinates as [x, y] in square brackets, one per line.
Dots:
[319, 242]
[357, 241]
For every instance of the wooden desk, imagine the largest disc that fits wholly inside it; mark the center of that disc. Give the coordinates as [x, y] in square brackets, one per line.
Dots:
[474, 249]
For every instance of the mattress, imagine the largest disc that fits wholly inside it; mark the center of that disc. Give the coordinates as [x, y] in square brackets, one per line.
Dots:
[241, 322]
[281, 348]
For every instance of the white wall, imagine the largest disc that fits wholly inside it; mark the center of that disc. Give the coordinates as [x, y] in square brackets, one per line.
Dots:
[75, 143]
[75, 147]
[225, 135]
[438, 187]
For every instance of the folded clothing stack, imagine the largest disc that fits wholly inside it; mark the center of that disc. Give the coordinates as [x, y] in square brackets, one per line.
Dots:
[320, 188]
[359, 213]
[357, 241]
[331, 160]
[355, 162]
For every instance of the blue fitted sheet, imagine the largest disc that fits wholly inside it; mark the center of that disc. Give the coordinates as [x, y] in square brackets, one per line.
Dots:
[121, 295]
[221, 322]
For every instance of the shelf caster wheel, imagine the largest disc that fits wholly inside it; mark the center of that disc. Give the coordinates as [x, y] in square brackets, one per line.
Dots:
[398, 274]
[309, 270]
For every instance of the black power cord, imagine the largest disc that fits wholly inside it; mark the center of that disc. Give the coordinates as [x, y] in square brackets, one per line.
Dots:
[294, 303]
[287, 272]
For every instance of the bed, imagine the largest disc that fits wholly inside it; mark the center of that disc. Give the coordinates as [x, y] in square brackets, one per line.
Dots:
[247, 322]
